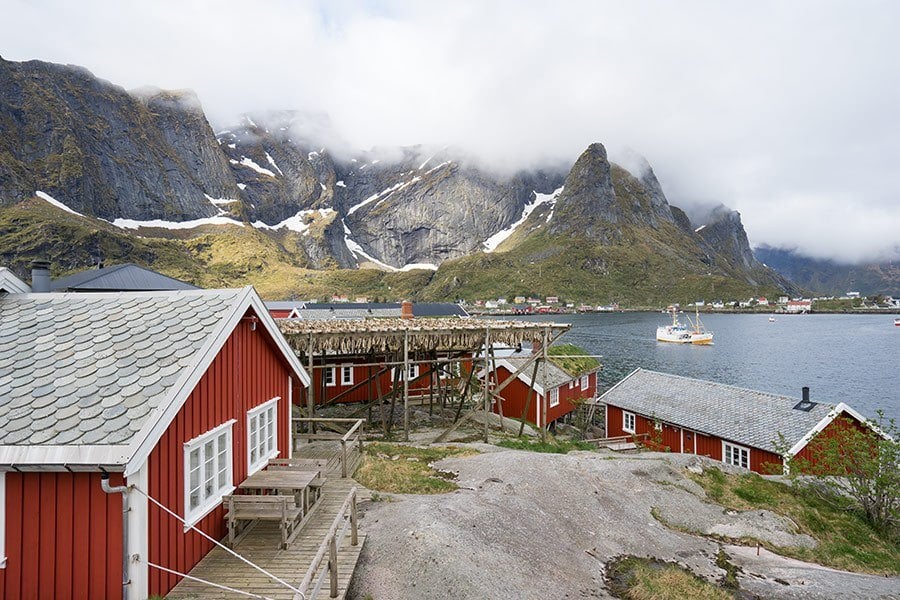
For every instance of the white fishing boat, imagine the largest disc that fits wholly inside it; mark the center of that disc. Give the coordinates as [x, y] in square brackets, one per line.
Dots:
[771, 319]
[680, 333]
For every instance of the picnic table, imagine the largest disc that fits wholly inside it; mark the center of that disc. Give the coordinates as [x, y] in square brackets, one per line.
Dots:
[277, 495]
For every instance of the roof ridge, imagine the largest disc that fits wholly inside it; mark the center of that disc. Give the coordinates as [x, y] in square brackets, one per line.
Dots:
[729, 386]
[131, 294]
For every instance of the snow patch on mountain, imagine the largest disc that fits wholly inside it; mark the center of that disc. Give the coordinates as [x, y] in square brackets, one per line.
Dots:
[248, 162]
[300, 222]
[383, 195]
[498, 238]
[159, 223]
[51, 200]
[272, 162]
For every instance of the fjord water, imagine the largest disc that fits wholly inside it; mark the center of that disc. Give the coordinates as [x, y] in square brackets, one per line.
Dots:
[842, 358]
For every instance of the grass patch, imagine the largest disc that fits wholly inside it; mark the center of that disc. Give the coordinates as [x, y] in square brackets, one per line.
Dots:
[845, 540]
[649, 579]
[398, 469]
[549, 447]
[570, 359]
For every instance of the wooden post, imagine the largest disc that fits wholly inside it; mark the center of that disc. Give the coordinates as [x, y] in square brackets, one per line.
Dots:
[343, 459]
[332, 565]
[406, 385]
[487, 376]
[528, 399]
[311, 394]
[544, 426]
[354, 538]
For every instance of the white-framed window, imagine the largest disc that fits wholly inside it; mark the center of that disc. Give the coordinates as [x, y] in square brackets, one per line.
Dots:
[585, 382]
[413, 372]
[328, 375]
[738, 456]
[554, 397]
[207, 471]
[450, 371]
[346, 374]
[262, 435]
[2, 519]
[628, 422]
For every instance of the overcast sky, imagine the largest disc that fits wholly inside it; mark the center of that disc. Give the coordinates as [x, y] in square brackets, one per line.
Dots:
[786, 111]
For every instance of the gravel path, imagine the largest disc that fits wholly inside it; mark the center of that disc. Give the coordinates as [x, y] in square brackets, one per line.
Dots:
[526, 525]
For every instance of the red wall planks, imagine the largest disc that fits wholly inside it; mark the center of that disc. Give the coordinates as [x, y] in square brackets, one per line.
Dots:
[247, 372]
[51, 550]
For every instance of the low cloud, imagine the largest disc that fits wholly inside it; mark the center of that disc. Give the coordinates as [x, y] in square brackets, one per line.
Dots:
[783, 111]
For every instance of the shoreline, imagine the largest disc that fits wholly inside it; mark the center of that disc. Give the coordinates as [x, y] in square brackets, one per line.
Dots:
[718, 311]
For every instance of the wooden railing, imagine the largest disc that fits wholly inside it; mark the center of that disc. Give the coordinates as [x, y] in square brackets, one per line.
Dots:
[350, 440]
[331, 545]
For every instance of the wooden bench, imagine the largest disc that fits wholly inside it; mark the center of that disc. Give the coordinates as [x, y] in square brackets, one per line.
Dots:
[246, 508]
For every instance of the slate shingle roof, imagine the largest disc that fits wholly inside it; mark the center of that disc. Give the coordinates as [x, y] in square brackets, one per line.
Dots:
[119, 278]
[740, 415]
[555, 375]
[87, 369]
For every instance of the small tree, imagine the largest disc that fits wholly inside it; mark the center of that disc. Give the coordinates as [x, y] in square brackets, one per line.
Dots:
[861, 464]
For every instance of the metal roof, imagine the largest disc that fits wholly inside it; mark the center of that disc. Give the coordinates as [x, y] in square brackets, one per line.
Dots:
[736, 414]
[118, 278]
[88, 378]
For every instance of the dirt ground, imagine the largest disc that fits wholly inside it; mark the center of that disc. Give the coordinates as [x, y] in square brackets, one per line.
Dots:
[526, 525]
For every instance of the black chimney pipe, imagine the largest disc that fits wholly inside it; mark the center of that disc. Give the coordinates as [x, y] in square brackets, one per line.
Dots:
[805, 393]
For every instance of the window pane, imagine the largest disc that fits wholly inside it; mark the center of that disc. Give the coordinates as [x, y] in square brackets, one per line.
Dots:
[195, 458]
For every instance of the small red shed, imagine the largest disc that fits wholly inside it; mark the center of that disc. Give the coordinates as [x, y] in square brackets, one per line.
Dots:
[737, 426]
[177, 395]
[563, 390]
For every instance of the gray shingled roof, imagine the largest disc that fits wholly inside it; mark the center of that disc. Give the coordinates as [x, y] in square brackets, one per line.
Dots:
[87, 369]
[555, 375]
[743, 416]
[119, 278]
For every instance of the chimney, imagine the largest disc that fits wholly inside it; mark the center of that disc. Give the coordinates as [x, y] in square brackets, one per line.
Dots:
[805, 394]
[406, 310]
[40, 276]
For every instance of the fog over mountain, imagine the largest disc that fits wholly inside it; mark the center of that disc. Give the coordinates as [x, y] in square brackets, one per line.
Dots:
[782, 111]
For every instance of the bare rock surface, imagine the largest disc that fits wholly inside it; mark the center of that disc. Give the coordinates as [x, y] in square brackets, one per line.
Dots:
[530, 525]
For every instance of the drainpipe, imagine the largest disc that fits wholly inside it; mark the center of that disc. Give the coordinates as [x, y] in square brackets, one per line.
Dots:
[121, 489]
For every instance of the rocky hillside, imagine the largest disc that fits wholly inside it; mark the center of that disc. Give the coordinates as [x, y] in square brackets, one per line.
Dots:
[147, 162]
[827, 277]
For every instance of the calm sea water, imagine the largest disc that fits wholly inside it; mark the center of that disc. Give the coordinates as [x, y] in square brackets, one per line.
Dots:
[842, 358]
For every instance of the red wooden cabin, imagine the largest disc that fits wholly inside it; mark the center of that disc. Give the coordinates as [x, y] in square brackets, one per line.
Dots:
[734, 425]
[178, 394]
[563, 391]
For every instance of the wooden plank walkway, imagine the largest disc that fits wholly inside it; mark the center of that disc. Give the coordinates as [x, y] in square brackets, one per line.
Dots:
[260, 546]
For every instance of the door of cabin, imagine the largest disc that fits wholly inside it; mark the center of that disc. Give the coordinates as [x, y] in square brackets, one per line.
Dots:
[687, 445]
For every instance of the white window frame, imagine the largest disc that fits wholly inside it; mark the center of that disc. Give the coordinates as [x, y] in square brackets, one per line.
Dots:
[345, 369]
[192, 516]
[626, 416]
[413, 372]
[585, 382]
[333, 372]
[735, 450]
[265, 410]
[554, 397]
[2, 519]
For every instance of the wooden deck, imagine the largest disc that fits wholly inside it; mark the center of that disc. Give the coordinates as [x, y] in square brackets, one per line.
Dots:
[261, 546]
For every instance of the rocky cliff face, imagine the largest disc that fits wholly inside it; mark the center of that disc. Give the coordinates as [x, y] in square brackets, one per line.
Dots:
[151, 154]
[828, 277]
[103, 151]
[599, 198]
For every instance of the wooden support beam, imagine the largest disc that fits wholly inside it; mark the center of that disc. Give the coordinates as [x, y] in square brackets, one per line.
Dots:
[528, 398]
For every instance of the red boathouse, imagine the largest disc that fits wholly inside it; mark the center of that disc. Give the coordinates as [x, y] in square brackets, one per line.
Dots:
[734, 425]
[178, 395]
